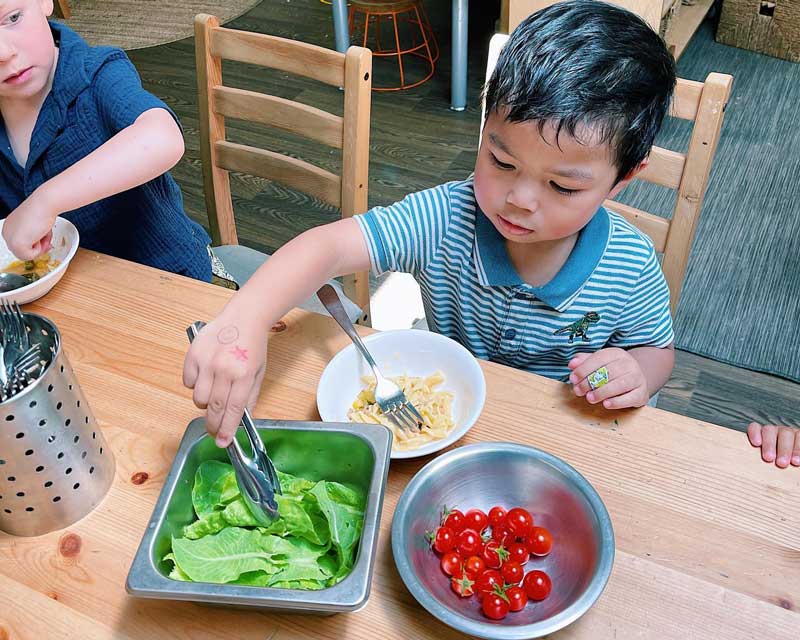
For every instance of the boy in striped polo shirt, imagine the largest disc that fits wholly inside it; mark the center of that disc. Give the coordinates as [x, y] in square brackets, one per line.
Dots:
[520, 262]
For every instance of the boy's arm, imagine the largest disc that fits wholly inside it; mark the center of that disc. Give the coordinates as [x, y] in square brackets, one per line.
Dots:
[225, 363]
[150, 146]
[656, 364]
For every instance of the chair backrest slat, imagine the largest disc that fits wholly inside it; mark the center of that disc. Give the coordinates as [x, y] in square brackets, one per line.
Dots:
[686, 99]
[665, 168]
[291, 56]
[280, 113]
[292, 172]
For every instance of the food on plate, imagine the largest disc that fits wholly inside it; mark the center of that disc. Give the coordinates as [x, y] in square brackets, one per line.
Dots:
[487, 555]
[436, 407]
[34, 269]
[312, 544]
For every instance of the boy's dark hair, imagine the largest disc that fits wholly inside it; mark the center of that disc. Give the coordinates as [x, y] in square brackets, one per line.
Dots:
[587, 63]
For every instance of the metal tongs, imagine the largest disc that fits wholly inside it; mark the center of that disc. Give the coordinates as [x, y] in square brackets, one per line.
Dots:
[256, 476]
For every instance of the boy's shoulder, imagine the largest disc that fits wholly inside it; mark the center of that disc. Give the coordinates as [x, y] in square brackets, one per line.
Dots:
[80, 62]
[628, 238]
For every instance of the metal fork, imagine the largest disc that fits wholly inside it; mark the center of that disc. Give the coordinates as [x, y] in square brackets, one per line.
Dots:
[388, 395]
[16, 321]
[15, 336]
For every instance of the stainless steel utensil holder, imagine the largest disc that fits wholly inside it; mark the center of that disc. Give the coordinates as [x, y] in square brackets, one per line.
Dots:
[55, 465]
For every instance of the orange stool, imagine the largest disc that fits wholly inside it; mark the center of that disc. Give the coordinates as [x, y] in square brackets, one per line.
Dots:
[411, 12]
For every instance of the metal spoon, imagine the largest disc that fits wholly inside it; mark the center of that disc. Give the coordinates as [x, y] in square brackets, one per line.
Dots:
[11, 281]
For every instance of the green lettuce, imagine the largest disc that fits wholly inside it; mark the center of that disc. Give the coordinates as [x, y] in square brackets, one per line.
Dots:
[312, 545]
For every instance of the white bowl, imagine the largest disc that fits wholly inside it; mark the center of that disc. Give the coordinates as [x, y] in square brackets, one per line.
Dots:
[409, 352]
[65, 244]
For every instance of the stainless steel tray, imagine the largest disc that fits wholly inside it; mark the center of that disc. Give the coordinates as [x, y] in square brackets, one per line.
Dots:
[352, 453]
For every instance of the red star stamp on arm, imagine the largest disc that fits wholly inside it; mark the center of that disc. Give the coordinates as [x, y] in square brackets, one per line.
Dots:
[240, 354]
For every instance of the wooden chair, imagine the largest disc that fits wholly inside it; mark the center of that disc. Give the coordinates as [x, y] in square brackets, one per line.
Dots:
[704, 103]
[61, 8]
[350, 133]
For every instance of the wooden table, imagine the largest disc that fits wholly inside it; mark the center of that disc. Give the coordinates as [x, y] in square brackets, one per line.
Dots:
[708, 538]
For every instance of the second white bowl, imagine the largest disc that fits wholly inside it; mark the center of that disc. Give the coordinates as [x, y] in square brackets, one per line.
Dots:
[408, 352]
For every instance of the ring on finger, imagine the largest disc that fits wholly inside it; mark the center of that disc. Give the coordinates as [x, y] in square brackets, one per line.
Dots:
[598, 378]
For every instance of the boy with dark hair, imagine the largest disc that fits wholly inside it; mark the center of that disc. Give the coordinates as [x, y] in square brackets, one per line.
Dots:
[79, 136]
[520, 263]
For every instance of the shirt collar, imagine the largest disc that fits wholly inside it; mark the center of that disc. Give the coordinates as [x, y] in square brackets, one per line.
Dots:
[495, 269]
[71, 77]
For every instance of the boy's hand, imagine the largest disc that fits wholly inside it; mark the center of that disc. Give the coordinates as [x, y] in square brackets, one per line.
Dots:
[225, 366]
[778, 444]
[626, 386]
[28, 229]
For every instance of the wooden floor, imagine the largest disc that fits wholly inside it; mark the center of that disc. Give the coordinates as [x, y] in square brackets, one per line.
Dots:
[416, 142]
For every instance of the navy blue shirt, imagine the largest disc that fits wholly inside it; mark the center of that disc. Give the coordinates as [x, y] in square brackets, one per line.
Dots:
[96, 93]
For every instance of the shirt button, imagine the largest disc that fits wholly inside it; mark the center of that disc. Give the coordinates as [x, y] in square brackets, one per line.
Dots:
[509, 334]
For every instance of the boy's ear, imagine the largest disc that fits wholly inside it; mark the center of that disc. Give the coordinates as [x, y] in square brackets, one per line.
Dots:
[47, 7]
[626, 180]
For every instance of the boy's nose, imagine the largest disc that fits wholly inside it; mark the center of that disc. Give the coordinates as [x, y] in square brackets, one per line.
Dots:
[524, 197]
[7, 50]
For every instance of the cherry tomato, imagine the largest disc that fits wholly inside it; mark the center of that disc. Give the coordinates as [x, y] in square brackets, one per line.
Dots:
[494, 554]
[477, 520]
[462, 585]
[469, 542]
[474, 565]
[539, 541]
[495, 606]
[537, 585]
[453, 519]
[486, 582]
[518, 551]
[451, 563]
[496, 516]
[501, 533]
[444, 540]
[512, 572]
[517, 598]
[519, 521]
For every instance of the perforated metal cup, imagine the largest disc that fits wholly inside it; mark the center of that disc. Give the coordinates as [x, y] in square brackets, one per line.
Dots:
[55, 465]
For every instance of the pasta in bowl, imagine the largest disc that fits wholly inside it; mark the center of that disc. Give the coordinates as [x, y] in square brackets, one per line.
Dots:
[441, 378]
[434, 406]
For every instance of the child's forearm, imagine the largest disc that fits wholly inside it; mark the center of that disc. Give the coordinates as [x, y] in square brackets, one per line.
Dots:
[152, 145]
[656, 364]
[300, 267]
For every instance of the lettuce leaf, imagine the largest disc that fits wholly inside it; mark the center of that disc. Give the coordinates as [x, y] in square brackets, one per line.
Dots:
[312, 545]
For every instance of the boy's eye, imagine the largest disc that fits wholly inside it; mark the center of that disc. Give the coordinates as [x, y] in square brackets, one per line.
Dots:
[562, 190]
[14, 17]
[501, 165]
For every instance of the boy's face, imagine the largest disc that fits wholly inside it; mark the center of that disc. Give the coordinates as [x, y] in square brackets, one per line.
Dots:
[536, 190]
[27, 50]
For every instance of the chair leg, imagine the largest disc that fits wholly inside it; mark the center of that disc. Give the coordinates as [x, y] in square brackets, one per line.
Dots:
[399, 55]
[366, 29]
[427, 25]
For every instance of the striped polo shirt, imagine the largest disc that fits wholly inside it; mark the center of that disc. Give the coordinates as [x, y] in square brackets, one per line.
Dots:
[610, 292]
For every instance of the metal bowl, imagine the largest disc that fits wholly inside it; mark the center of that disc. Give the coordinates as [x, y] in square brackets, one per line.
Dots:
[353, 454]
[510, 475]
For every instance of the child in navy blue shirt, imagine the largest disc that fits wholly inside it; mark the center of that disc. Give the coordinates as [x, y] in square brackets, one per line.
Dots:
[80, 137]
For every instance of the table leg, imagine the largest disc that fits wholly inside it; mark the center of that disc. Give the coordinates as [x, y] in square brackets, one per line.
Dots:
[340, 28]
[458, 76]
